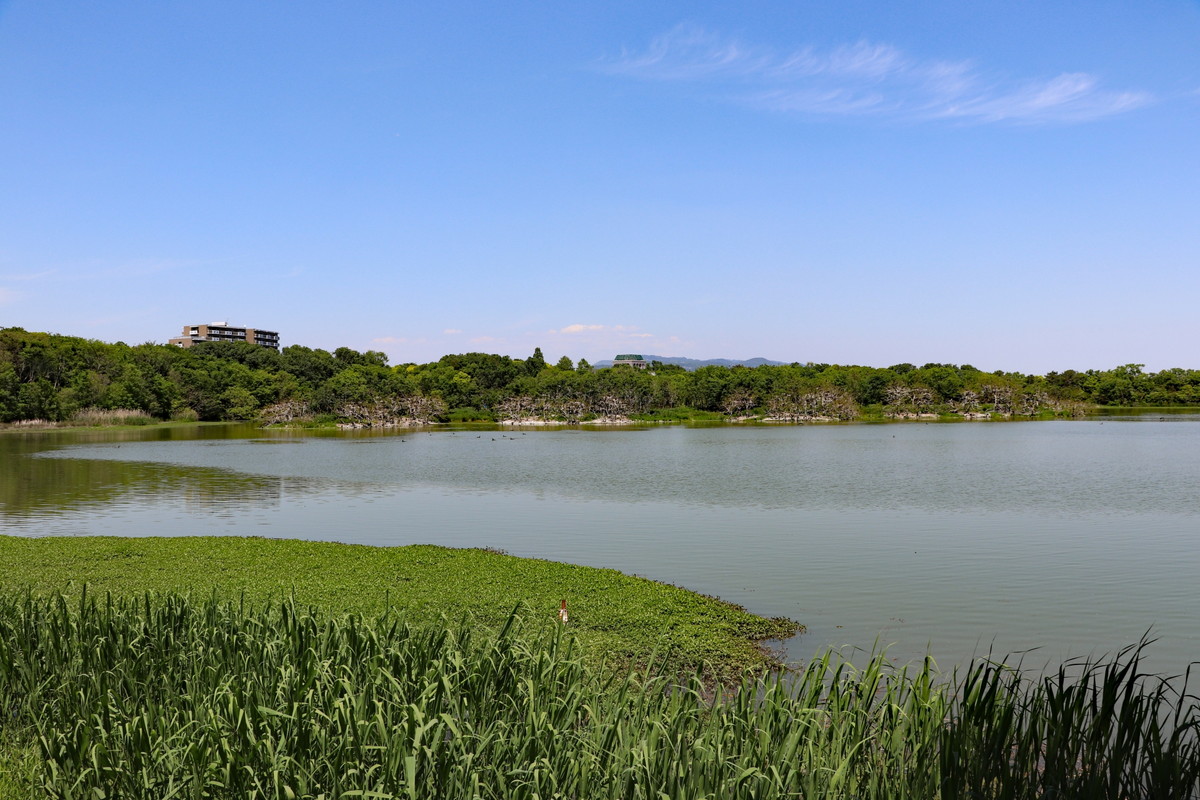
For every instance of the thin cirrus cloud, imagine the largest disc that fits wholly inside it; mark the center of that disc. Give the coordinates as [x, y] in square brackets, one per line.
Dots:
[867, 79]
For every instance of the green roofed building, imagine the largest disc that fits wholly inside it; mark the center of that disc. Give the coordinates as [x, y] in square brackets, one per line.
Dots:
[631, 360]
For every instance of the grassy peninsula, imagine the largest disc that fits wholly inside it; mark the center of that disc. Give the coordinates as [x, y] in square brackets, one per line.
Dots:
[616, 617]
[168, 696]
[617, 623]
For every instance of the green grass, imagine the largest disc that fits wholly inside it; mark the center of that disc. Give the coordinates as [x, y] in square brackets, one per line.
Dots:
[678, 414]
[469, 415]
[615, 616]
[41, 426]
[310, 670]
[619, 620]
[20, 764]
[1179, 409]
[157, 698]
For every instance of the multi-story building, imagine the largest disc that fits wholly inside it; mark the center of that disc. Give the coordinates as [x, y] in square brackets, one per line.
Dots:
[224, 332]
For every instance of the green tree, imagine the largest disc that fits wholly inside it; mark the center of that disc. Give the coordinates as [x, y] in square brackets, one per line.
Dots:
[346, 357]
[239, 403]
[311, 367]
[348, 386]
[871, 387]
[708, 388]
[535, 363]
[89, 387]
[376, 358]
[131, 390]
[489, 371]
[942, 378]
[10, 387]
[38, 400]
[1116, 388]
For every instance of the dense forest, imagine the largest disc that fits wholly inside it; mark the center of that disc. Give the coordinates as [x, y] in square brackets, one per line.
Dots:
[56, 378]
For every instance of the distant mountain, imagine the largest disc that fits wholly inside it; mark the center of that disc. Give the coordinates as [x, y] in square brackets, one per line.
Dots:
[692, 364]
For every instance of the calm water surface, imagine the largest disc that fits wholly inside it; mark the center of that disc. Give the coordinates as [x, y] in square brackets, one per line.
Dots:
[1066, 537]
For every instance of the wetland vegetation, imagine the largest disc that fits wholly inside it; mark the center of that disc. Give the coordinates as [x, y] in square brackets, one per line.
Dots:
[625, 619]
[164, 696]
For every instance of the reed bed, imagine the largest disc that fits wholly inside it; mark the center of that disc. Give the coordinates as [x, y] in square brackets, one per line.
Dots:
[92, 417]
[167, 697]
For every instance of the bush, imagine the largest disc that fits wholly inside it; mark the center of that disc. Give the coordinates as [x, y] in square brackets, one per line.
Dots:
[469, 415]
[678, 414]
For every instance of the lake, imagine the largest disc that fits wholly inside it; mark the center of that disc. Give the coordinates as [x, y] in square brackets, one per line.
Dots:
[1063, 537]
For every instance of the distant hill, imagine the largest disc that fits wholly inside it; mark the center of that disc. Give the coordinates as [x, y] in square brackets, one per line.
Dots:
[691, 364]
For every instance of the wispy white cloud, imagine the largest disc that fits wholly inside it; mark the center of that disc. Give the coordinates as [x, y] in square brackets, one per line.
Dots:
[389, 340]
[451, 331]
[483, 339]
[579, 328]
[867, 79]
[599, 337]
[1073, 97]
[8, 296]
[689, 53]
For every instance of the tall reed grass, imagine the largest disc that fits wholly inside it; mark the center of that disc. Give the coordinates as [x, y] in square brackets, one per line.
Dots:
[170, 698]
[94, 417]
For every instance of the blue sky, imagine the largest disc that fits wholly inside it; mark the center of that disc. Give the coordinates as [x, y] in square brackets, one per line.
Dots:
[1011, 184]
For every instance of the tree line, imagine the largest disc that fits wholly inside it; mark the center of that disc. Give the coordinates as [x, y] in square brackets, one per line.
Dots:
[53, 377]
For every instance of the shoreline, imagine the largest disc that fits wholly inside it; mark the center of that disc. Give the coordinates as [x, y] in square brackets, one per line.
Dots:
[43, 426]
[618, 618]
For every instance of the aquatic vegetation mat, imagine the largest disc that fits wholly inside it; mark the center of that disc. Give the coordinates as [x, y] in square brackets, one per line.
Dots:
[624, 618]
[166, 697]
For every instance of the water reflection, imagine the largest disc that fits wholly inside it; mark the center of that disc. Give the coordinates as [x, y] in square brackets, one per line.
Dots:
[1071, 536]
[36, 492]
[1055, 468]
